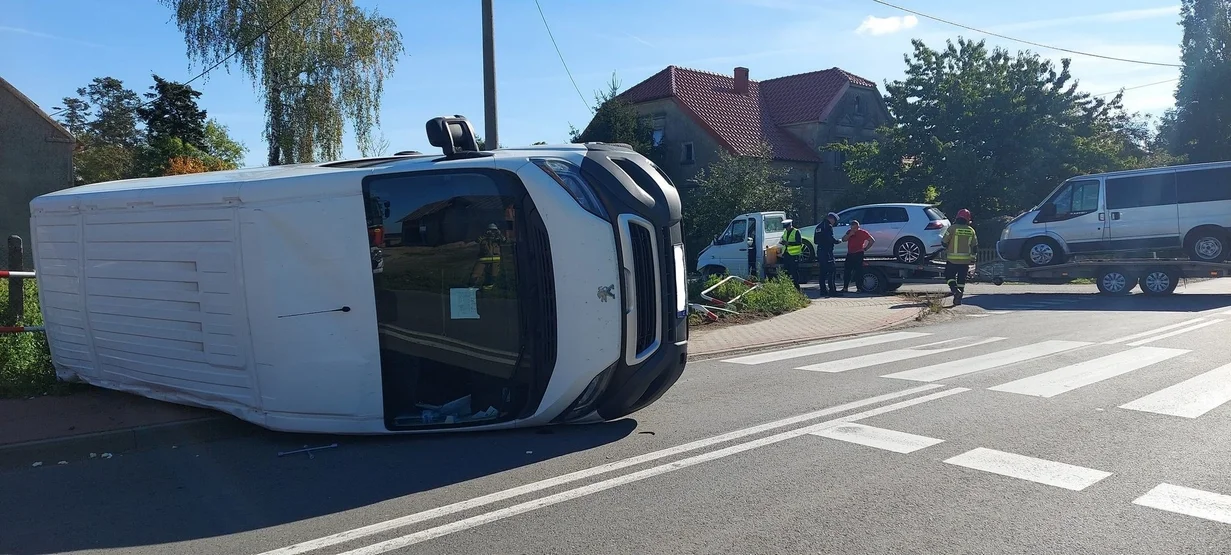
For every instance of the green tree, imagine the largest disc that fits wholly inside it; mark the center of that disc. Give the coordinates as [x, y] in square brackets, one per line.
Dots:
[729, 186]
[991, 131]
[318, 68]
[103, 119]
[115, 112]
[1200, 125]
[219, 144]
[617, 121]
[171, 111]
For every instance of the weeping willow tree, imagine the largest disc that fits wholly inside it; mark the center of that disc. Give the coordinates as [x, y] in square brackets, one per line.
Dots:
[318, 63]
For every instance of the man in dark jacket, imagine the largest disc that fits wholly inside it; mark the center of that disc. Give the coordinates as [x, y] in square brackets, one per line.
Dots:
[824, 240]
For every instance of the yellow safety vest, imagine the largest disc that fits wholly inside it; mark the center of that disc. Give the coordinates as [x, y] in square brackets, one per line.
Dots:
[794, 245]
[960, 244]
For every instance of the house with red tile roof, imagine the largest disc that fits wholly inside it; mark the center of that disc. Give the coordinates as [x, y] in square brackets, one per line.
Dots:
[697, 114]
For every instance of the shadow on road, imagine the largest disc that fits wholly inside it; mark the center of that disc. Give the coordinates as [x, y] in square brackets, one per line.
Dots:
[1097, 303]
[212, 490]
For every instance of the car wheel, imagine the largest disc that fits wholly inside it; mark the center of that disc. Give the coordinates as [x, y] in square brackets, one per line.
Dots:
[873, 282]
[711, 271]
[909, 250]
[1115, 281]
[1207, 245]
[1043, 252]
[1159, 281]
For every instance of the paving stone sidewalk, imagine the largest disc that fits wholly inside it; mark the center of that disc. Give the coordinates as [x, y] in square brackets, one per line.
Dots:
[49, 429]
[823, 319]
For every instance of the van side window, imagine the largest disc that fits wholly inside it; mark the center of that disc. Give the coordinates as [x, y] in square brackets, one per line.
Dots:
[1203, 185]
[1079, 197]
[1141, 190]
[735, 233]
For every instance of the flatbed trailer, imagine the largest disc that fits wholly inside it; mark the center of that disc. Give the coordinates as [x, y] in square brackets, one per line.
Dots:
[1155, 276]
[887, 275]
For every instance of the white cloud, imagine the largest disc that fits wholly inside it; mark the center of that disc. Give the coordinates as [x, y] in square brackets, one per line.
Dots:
[876, 26]
[32, 33]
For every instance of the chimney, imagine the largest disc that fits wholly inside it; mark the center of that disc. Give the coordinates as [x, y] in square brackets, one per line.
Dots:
[741, 80]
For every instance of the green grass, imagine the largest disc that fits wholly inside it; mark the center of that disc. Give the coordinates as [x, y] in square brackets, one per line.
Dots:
[773, 297]
[25, 361]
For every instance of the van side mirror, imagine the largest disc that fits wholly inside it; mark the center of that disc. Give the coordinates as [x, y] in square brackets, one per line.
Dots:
[748, 241]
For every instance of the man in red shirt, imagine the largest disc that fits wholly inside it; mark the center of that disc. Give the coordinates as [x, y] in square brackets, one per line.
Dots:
[857, 241]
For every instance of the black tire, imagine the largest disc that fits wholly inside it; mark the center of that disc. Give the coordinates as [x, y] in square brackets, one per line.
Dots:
[1042, 251]
[893, 287]
[1115, 281]
[711, 271]
[1159, 281]
[1207, 244]
[873, 282]
[998, 281]
[909, 251]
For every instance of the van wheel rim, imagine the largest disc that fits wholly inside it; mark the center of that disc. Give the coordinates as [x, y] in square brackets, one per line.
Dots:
[1208, 248]
[1114, 282]
[1158, 281]
[1041, 253]
[908, 251]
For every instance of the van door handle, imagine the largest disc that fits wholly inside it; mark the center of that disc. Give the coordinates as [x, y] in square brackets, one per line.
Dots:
[1115, 215]
[1102, 217]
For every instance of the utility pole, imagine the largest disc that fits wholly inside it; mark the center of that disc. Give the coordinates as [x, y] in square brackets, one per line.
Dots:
[492, 137]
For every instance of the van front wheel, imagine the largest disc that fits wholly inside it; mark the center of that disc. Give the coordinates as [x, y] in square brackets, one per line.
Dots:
[1043, 252]
[1207, 245]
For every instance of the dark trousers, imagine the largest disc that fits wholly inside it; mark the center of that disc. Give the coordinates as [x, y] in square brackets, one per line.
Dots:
[792, 268]
[955, 276]
[829, 275]
[854, 270]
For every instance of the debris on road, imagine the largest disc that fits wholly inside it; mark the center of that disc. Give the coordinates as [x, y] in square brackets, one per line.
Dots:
[307, 450]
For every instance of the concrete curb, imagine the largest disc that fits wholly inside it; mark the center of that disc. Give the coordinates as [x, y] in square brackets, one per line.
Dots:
[79, 447]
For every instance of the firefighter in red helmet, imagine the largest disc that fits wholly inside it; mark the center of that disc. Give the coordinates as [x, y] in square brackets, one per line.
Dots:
[961, 246]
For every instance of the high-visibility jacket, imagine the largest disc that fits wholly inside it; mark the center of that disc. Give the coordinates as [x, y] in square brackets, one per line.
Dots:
[489, 246]
[961, 244]
[794, 242]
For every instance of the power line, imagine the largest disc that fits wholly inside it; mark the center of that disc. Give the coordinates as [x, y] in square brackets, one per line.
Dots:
[1138, 87]
[264, 32]
[562, 62]
[1070, 51]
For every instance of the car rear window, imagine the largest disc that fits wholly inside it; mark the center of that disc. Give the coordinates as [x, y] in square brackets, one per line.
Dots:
[934, 213]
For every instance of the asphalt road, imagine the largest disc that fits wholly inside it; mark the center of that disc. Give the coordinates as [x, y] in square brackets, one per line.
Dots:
[1047, 422]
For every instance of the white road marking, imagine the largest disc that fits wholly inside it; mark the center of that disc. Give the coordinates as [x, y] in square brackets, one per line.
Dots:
[1173, 333]
[1000, 312]
[885, 357]
[1060, 380]
[1153, 331]
[1042, 471]
[979, 315]
[1190, 398]
[774, 356]
[1227, 313]
[980, 363]
[408, 520]
[880, 438]
[567, 495]
[1188, 501]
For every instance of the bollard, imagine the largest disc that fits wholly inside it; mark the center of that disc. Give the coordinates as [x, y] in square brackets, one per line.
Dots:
[17, 296]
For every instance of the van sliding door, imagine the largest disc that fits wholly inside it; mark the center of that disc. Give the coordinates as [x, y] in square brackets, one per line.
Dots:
[1142, 213]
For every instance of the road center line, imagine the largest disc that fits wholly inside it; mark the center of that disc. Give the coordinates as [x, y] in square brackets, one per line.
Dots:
[400, 522]
[479, 520]
[1153, 331]
[1174, 333]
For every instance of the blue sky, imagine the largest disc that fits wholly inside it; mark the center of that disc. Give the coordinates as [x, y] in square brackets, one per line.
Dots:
[51, 47]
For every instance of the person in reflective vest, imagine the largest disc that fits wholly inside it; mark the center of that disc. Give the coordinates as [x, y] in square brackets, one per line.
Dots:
[793, 243]
[961, 247]
[488, 265]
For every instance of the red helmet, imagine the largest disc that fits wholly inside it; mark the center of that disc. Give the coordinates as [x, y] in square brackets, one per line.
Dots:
[963, 214]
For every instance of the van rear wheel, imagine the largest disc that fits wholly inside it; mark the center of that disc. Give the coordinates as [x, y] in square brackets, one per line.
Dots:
[1207, 245]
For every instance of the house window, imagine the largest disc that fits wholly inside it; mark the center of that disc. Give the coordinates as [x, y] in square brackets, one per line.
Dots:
[657, 137]
[859, 105]
[688, 156]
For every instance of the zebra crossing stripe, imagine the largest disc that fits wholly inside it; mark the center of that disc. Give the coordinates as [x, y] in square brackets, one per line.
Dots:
[988, 361]
[1188, 501]
[774, 356]
[886, 357]
[1052, 473]
[879, 438]
[1190, 398]
[1060, 380]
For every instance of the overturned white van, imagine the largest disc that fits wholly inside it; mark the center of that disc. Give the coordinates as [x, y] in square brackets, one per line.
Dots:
[463, 290]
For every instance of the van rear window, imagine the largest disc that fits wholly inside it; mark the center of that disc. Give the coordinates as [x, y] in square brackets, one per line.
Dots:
[934, 213]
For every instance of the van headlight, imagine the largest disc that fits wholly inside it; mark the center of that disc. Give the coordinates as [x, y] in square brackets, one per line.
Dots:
[569, 177]
[681, 284]
[1004, 233]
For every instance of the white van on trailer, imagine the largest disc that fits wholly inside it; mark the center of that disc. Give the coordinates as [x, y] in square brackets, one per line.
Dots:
[469, 290]
[1138, 211]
